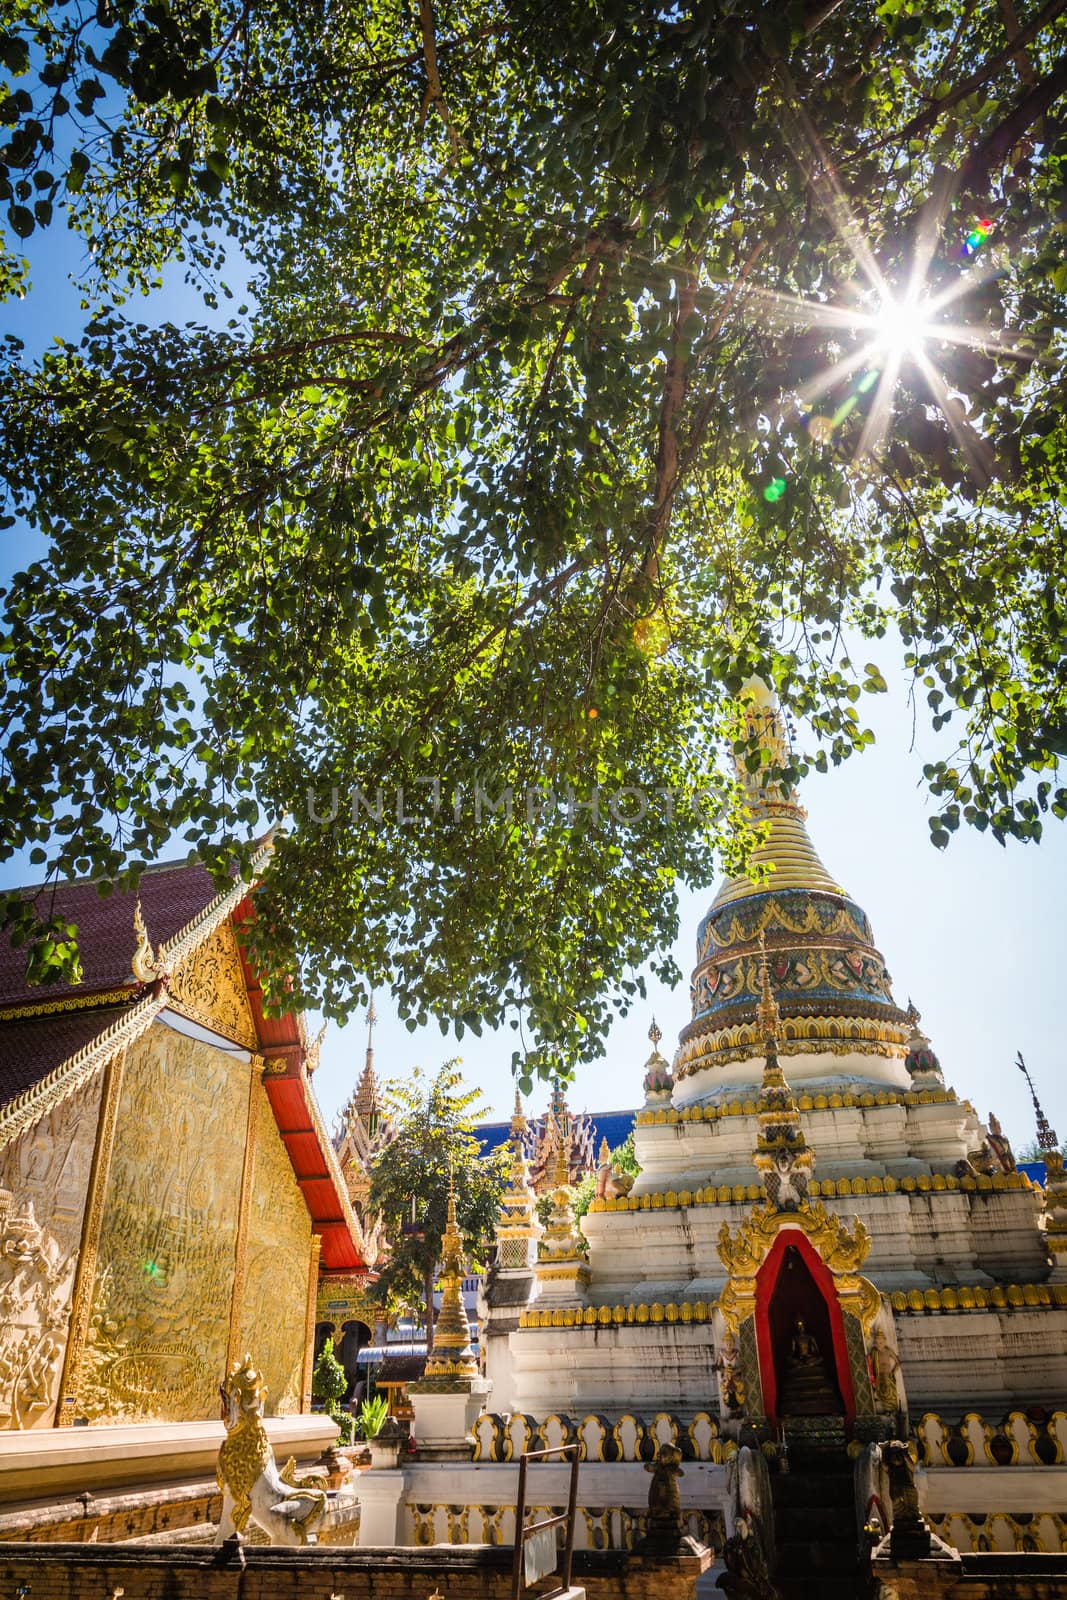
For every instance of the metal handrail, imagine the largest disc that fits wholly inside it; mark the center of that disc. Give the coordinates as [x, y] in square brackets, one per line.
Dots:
[522, 1533]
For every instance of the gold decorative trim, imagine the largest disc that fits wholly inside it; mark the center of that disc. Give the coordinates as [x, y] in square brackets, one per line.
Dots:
[64, 1080]
[806, 1102]
[208, 987]
[844, 1250]
[618, 1316]
[240, 1249]
[965, 1297]
[709, 1047]
[829, 1188]
[309, 1322]
[759, 919]
[174, 952]
[82, 1298]
[74, 1002]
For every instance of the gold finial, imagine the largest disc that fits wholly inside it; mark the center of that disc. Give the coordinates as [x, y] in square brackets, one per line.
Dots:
[655, 1035]
[145, 963]
[767, 1013]
[604, 1153]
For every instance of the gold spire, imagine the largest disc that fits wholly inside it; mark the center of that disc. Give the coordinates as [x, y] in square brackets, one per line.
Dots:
[787, 847]
[562, 1173]
[452, 1355]
[604, 1153]
[767, 1013]
[782, 1158]
[366, 1099]
[517, 1225]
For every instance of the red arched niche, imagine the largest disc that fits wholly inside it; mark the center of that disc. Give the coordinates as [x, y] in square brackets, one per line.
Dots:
[766, 1278]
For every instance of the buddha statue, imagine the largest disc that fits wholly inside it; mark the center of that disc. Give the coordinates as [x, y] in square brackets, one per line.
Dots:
[807, 1388]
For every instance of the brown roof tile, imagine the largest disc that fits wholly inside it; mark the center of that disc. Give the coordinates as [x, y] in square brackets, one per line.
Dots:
[170, 896]
[32, 1047]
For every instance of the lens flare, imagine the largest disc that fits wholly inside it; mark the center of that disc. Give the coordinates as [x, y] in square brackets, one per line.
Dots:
[976, 238]
[774, 490]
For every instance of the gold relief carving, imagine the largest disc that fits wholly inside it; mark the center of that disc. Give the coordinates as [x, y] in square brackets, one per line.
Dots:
[158, 1330]
[273, 1319]
[746, 926]
[209, 987]
[27, 1108]
[240, 1259]
[742, 1253]
[44, 1177]
[70, 1384]
[309, 1323]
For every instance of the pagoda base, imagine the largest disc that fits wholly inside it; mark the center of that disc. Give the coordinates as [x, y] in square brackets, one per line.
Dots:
[446, 1410]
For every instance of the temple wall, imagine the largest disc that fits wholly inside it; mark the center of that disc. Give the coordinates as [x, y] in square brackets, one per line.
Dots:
[988, 1361]
[920, 1238]
[273, 1311]
[159, 1324]
[45, 1176]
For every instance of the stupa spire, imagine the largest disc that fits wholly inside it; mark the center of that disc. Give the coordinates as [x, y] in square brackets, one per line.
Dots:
[782, 1158]
[452, 1355]
[787, 848]
[517, 1227]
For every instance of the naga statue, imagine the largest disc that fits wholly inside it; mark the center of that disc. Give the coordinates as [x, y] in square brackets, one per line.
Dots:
[248, 1475]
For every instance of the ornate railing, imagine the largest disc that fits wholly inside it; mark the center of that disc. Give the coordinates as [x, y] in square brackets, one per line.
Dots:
[630, 1437]
[1019, 1439]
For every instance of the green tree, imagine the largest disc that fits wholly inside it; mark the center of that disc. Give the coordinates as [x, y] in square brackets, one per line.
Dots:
[328, 1381]
[565, 402]
[434, 1145]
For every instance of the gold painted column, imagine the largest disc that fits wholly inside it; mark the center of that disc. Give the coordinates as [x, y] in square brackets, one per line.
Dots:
[309, 1323]
[240, 1253]
[82, 1298]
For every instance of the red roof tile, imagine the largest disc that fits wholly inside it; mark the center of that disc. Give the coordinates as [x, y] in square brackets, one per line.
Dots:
[170, 896]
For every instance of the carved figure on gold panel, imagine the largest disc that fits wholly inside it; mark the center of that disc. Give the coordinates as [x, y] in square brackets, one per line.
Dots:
[35, 1282]
[248, 1475]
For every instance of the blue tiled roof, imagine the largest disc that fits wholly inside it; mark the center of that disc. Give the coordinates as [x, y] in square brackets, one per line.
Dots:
[614, 1126]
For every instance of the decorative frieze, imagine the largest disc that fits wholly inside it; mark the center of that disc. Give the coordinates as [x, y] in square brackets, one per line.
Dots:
[829, 1188]
[833, 1101]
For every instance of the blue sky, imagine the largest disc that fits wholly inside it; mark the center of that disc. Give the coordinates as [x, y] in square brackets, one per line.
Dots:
[973, 935]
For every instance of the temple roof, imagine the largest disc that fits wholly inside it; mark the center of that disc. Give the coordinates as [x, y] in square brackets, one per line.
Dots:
[54, 1038]
[171, 896]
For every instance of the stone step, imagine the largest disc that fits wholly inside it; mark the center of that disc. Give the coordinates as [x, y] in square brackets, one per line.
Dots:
[797, 1558]
[812, 1489]
[824, 1524]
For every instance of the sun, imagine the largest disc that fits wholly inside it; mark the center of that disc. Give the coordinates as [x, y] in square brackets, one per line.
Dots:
[899, 328]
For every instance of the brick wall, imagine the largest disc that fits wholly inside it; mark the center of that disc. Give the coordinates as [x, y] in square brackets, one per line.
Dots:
[108, 1518]
[472, 1572]
[994, 1576]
